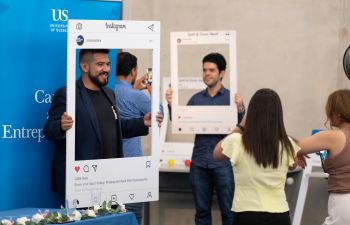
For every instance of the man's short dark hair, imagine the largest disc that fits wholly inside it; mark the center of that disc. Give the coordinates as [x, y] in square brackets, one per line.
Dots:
[125, 63]
[84, 52]
[216, 58]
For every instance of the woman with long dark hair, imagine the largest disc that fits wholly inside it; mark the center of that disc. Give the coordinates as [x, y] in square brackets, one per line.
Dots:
[261, 154]
[337, 163]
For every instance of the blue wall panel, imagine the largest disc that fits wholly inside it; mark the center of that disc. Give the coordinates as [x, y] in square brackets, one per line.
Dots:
[33, 48]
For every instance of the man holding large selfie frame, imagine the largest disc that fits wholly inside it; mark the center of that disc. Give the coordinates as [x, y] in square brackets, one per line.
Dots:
[94, 178]
[188, 48]
[205, 172]
[210, 114]
[99, 129]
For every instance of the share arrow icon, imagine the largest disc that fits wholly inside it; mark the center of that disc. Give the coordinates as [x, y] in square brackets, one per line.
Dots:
[151, 27]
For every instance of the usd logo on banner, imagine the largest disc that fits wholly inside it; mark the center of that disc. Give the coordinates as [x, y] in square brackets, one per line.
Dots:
[34, 67]
[59, 15]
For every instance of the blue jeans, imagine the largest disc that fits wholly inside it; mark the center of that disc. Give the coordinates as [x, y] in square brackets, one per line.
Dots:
[203, 181]
[137, 209]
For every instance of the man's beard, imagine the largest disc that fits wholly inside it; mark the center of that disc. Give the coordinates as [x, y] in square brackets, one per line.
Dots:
[213, 84]
[96, 81]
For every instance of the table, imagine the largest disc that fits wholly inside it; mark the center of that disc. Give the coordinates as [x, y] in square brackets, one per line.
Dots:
[120, 219]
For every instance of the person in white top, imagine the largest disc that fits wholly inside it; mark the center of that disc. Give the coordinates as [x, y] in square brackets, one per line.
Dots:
[337, 163]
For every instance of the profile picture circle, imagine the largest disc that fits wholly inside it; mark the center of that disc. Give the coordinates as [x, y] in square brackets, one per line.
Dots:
[80, 40]
[75, 202]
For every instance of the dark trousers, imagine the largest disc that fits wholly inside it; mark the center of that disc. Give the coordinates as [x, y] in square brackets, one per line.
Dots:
[137, 209]
[203, 181]
[261, 218]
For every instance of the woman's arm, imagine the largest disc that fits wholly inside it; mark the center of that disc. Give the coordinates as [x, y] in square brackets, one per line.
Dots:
[217, 154]
[331, 140]
[298, 160]
[292, 167]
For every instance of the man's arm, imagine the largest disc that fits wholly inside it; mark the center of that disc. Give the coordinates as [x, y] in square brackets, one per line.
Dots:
[240, 106]
[169, 99]
[52, 129]
[133, 127]
[139, 126]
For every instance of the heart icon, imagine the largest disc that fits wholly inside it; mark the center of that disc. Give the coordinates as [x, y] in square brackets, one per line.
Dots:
[131, 196]
[77, 168]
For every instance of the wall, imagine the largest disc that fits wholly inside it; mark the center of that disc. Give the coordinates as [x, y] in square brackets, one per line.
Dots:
[295, 47]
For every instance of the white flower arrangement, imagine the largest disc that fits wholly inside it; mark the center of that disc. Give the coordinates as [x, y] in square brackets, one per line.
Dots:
[96, 207]
[6, 222]
[37, 218]
[22, 220]
[90, 213]
[122, 208]
[64, 217]
[75, 216]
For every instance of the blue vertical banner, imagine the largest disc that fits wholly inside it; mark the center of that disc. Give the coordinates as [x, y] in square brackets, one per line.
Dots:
[33, 59]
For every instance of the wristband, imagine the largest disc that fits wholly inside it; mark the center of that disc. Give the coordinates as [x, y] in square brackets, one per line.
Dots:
[240, 127]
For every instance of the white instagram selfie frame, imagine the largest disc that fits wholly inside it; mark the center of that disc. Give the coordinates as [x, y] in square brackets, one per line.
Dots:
[175, 152]
[203, 119]
[120, 180]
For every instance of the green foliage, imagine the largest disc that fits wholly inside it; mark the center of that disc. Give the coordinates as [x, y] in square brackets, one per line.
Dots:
[30, 223]
[63, 217]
